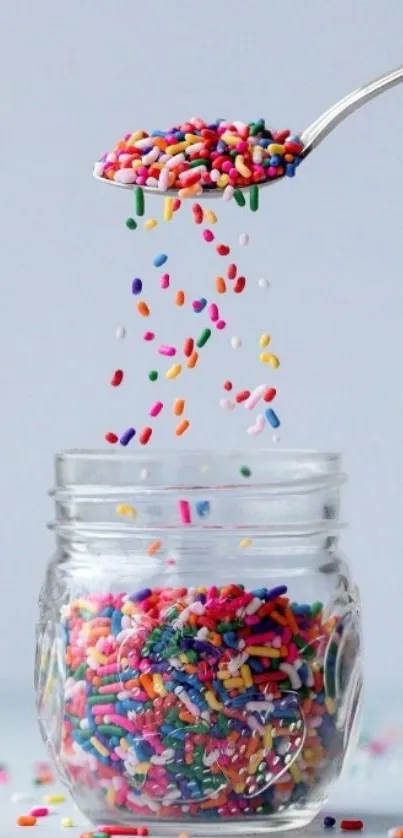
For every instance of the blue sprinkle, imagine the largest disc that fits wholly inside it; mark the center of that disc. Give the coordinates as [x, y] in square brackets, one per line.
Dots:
[231, 639]
[275, 160]
[160, 260]
[202, 508]
[290, 170]
[279, 590]
[116, 623]
[272, 418]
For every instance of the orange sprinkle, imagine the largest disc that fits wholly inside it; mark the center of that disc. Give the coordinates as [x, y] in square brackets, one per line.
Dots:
[218, 801]
[182, 427]
[143, 309]
[146, 682]
[153, 548]
[220, 285]
[192, 361]
[179, 406]
[278, 618]
[291, 621]
[180, 298]
[26, 820]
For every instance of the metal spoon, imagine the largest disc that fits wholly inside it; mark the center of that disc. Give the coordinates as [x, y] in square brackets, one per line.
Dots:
[312, 136]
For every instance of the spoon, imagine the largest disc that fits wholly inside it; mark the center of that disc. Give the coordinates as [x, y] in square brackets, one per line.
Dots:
[311, 137]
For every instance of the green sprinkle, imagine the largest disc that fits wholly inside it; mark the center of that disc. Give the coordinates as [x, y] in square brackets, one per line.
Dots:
[111, 730]
[139, 200]
[256, 127]
[239, 198]
[199, 162]
[316, 608]
[80, 672]
[102, 699]
[254, 197]
[153, 375]
[131, 224]
[203, 338]
[245, 471]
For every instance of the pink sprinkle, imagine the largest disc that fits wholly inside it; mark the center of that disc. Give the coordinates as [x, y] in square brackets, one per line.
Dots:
[156, 408]
[208, 235]
[184, 511]
[220, 324]
[169, 351]
[164, 281]
[148, 336]
[213, 312]
[39, 811]
[272, 171]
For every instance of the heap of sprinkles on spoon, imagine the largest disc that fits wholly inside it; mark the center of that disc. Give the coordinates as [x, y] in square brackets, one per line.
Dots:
[216, 158]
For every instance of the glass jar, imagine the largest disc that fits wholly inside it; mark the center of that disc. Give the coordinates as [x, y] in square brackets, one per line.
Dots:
[199, 642]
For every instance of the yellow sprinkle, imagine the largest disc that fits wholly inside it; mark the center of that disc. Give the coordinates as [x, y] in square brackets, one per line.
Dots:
[223, 674]
[246, 675]
[127, 608]
[54, 798]
[212, 701]
[245, 542]
[263, 651]
[66, 822]
[177, 147]
[264, 340]
[94, 654]
[124, 744]
[168, 211]
[223, 181]
[126, 509]
[233, 683]
[150, 223]
[99, 747]
[267, 738]
[174, 371]
[86, 605]
[230, 139]
[239, 788]
[138, 135]
[110, 796]
[295, 772]
[330, 706]
[143, 767]
[158, 684]
[268, 358]
[255, 761]
[276, 148]
[192, 138]
[241, 167]
[210, 216]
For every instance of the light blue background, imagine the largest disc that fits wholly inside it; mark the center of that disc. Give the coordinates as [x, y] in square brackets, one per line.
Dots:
[76, 76]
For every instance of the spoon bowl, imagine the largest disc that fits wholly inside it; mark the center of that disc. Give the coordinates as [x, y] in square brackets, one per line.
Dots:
[310, 138]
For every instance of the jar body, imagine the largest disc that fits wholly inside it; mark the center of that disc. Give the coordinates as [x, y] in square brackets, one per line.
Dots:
[214, 678]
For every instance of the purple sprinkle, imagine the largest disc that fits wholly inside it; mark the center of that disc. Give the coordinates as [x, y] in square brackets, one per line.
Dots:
[127, 436]
[140, 595]
[137, 286]
[275, 592]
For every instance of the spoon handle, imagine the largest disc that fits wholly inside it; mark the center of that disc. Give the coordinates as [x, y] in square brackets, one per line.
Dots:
[326, 123]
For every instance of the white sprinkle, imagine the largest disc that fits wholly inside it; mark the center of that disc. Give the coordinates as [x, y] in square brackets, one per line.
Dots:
[236, 342]
[243, 239]
[258, 427]
[98, 168]
[263, 283]
[144, 474]
[227, 404]
[228, 192]
[276, 438]
[125, 176]
[254, 397]
[121, 333]
[21, 797]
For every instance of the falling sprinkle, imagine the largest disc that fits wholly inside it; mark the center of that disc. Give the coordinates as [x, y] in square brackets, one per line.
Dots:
[245, 542]
[125, 509]
[120, 333]
[153, 548]
[236, 342]
[243, 239]
[263, 283]
[144, 474]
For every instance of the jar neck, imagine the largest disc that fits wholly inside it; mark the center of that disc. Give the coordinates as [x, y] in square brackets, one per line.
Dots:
[280, 501]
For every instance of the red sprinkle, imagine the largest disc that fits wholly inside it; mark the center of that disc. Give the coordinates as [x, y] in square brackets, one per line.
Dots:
[239, 285]
[197, 213]
[144, 438]
[111, 437]
[122, 830]
[227, 385]
[222, 249]
[351, 825]
[117, 378]
[232, 271]
[270, 394]
[188, 347]
[242, 396]
[176, 204]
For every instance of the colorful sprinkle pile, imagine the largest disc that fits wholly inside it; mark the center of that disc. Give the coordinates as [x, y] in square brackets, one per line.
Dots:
[199, 702]
[197, 156]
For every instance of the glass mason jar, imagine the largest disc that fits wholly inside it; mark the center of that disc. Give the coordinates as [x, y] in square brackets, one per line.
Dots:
[199, 642]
